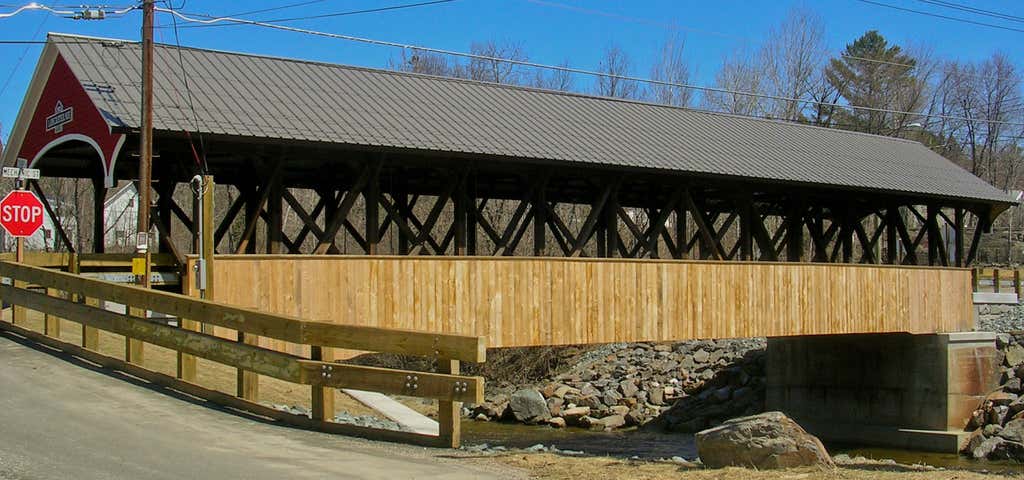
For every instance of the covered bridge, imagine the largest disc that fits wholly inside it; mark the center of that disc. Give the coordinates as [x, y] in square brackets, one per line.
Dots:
[442, 166]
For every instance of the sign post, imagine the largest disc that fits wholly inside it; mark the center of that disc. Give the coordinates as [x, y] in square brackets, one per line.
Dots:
[21, 215]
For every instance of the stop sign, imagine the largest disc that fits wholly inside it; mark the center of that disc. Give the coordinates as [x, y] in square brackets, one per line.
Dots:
[21, 213]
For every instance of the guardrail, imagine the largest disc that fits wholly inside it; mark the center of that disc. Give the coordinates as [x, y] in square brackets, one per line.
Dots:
[74, 298]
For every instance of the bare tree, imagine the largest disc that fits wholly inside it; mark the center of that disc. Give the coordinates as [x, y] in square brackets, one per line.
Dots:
[554, 79]
[792, 58]
[741, 71]
[670, 67]
[986, 99]
[427, 63]
[615, 64]
[497, 71]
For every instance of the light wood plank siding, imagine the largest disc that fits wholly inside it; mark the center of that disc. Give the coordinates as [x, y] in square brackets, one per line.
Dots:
[552, 301]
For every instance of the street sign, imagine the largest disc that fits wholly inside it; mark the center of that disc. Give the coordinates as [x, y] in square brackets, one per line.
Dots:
[21, 173]
[21, 213]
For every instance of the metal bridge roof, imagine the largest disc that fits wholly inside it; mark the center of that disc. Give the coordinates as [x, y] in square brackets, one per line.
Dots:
[257, 96]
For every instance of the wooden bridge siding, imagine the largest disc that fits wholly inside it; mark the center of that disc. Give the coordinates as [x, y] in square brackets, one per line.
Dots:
[520, 302]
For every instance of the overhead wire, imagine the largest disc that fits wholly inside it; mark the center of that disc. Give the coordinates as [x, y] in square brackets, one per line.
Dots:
[567, 69]
[976, 11]
[21, 58]
[274, 9]
[56, 11]
[939, 15]
[199, 159]
[327, 15]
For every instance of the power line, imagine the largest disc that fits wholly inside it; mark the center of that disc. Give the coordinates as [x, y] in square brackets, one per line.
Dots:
[670, 26]
[191, 104]
[21, 58]
[938, 15]
[558, 68]
[282, 7]
[976, 11]
[82, 12]
[326, 15]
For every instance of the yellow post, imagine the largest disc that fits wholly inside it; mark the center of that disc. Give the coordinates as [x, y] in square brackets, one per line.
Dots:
[323, 397]
[18, 312]
[186, 362]
[449, 415]
[51, 323]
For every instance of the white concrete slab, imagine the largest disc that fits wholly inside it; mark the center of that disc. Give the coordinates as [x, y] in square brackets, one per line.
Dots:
[408, 418]
[995, 298]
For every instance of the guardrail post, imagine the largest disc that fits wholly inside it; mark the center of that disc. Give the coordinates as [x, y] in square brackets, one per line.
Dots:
[322, 402]
[995, 280]
[19, 313]
[976, 279]
[90, 335]
[133, 351]
[51, 324]
[186, 362]
[449, 414]
[1016, 282]
[248, 383]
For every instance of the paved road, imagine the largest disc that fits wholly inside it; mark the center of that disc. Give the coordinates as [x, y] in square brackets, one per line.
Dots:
[61, 419]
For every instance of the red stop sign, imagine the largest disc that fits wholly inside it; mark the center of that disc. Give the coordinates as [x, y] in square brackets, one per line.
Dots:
[21, 213]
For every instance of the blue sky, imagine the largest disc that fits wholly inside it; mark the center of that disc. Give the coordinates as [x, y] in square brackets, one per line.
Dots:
[549, 34]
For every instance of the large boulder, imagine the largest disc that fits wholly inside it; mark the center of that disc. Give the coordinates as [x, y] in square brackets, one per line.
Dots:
[765, 441]
[528, 406]
[1013, 431]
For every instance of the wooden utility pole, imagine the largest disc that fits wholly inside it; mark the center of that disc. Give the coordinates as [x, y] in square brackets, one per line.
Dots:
[146, 133]
[133, 348]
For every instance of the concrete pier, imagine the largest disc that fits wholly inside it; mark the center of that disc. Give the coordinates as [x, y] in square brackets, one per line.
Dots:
[894, 390]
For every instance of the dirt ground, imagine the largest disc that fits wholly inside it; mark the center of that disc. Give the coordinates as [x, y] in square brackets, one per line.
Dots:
[548, 466]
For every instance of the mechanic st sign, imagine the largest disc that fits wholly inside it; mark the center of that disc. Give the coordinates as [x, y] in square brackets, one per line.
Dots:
[21, 213]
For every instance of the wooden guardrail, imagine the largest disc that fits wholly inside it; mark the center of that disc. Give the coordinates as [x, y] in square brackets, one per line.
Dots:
[997, 280]
[72, 297]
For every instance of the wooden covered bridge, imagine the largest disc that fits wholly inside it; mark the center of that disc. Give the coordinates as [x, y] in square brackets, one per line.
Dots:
[452, 200]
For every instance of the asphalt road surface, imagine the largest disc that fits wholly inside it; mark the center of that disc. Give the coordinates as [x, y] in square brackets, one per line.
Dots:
[69, 419]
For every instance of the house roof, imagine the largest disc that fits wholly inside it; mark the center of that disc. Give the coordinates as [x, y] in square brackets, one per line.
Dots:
[257, 96]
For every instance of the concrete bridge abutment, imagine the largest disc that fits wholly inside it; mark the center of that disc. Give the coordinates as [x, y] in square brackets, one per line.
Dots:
[894, 390]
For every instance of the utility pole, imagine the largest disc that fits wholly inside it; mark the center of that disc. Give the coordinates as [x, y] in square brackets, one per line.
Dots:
[146, 140]
[141, 265]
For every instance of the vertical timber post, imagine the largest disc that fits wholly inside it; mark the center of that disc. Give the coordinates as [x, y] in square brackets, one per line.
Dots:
[449, 413]
[371, 195]
[540, 220]
[934, 236]
[90, 335]
[847, 231]
[471, 222]
[460, 220]
[746, 228]
[322, 401]
[682, 238]
[892, 249]
[611, 221]
[958, 241]
[794, 232]
[99, 198]
[203, 242]
[401, 200]
[247, 383]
